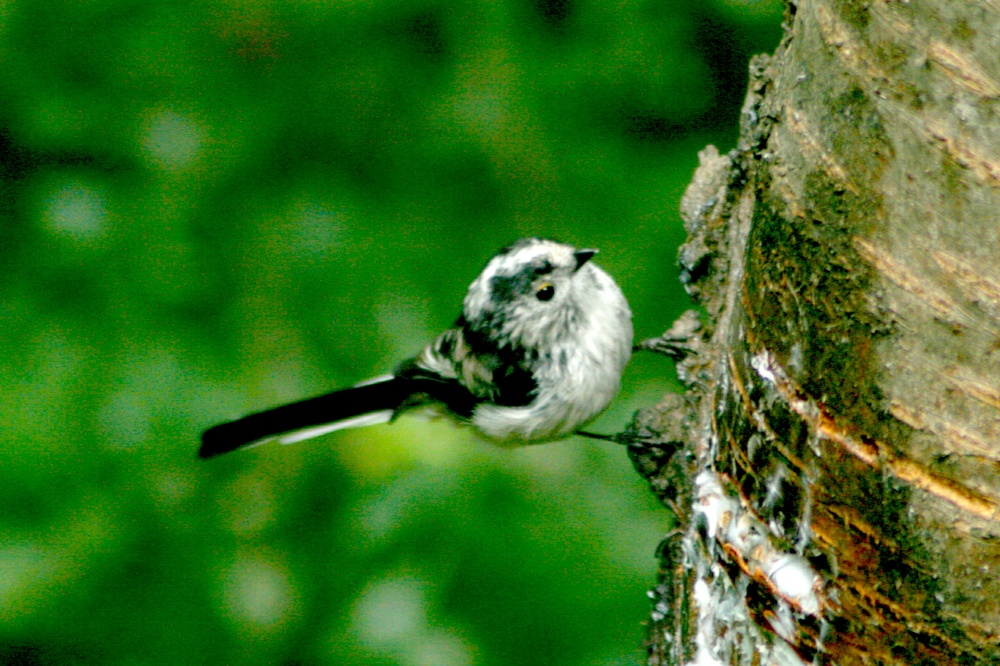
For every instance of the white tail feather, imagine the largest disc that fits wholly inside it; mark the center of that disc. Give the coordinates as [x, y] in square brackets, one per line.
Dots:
[372, 418]
[375, 380]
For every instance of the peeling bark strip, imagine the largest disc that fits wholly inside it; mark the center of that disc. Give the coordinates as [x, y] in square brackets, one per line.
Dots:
[838, 476]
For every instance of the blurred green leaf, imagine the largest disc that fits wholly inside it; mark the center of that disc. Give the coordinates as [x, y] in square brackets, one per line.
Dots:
[211, 208]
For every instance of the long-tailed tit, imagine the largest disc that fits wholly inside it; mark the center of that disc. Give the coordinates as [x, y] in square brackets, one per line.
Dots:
[538, 352]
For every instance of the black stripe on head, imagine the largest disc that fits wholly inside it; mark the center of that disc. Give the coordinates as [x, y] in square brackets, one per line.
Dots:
[505, 288]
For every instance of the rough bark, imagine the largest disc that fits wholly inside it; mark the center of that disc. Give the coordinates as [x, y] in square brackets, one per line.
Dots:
[835, 464]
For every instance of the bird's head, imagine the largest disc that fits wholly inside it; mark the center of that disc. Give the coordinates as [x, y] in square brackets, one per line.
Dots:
[534, 291]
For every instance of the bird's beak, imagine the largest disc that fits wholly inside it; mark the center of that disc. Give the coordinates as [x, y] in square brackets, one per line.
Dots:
[583, 256]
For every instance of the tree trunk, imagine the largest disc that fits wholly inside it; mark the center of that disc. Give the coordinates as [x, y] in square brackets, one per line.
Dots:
[837, 465]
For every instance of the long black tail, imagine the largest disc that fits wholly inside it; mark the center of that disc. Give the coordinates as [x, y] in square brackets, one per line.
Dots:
[372, 402]
[364, 404]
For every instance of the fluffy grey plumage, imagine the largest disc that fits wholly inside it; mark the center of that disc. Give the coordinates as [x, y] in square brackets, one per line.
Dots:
[538, 351]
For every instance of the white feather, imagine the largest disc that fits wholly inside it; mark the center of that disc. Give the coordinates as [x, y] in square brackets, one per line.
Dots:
[372, 418]
[375, 380]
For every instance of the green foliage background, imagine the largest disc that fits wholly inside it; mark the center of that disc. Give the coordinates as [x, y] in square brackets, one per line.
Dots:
[210, 208]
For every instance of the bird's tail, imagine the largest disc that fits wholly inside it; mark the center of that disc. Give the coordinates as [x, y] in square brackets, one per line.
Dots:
[368, 403]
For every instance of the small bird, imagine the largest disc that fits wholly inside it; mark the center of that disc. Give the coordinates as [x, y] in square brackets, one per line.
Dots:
[537, 352]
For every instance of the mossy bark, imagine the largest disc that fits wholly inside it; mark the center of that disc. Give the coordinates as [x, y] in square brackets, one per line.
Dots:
[845, 388]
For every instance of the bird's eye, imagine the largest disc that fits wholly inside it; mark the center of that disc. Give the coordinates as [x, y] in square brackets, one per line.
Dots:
[545, 292]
